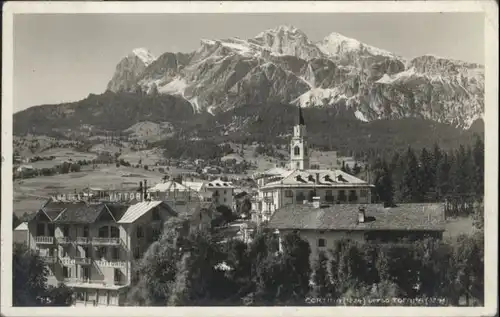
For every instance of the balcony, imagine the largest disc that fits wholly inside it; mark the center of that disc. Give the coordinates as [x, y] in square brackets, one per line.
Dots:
[44, 240]
[112, 263]
[106, 241]
[82, 240]
[63, 240]
[67, 261]
[88, 283]
[83, 261]
[49, 259]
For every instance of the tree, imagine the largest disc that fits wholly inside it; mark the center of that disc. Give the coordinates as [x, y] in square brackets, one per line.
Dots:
[410, 184]
[321, 276]
[29, 281]
[443, 181]
[478, 157]
[204, 284]
[29, 277]
[384, 189]
[426, 176]
[158, 267]
[437, 156]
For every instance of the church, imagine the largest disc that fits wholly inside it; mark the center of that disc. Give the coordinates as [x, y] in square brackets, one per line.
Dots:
[299, 184]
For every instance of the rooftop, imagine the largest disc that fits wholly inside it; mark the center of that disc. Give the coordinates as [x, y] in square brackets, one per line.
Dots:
[83, 212]
[219, 183]
[318, 178]
[404, 217]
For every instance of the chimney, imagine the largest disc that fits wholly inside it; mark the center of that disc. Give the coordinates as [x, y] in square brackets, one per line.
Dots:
[141, 189]
[316, 202]
[361, 215]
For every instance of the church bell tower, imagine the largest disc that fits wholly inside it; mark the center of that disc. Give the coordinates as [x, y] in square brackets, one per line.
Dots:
[299, 158]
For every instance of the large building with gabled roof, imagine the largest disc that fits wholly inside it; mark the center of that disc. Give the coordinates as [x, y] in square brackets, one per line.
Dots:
[298, 183]
[91, 247]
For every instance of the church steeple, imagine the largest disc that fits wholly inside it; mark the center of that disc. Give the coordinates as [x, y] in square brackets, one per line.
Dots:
[298, 146]
[300, 119]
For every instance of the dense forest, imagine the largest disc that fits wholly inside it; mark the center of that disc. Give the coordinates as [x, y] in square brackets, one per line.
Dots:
[432, 175]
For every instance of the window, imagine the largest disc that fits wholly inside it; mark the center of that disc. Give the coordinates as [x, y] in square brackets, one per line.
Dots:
[86, 273]
[64, 252]
[103, 232]
[296, 150]
[115, 253]
[40, 229]
[66, 272]
[352, 196]
[137, 252]
[342, 195]
[225, 191]
[321, 242]
[101, 252]
[80, 296]
[65, 230]
[86, 231]
[140, 232]
[363, 193]
[224, 199]
[115, 232]
[300, 197]
[117, 275]
[288, 193]
[85, 252]
[51, 229]
[312, 194]
[329, 196]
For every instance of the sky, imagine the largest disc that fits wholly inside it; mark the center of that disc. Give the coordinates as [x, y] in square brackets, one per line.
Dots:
[65, 57]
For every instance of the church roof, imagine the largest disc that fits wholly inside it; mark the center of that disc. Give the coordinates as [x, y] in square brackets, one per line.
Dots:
[318, 178]
[300, 120]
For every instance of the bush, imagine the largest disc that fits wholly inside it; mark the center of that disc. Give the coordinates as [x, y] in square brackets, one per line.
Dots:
[75, 167]
[146, 167]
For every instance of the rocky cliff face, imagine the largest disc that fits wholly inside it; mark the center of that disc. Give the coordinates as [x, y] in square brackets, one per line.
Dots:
[283, 65]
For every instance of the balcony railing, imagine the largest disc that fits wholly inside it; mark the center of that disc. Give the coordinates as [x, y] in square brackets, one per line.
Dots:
[63, 240]
[82, 282]
[83, 261]
[66, 261]
[112, 263]
[82, 240]
[44, 240]
[106, 241]
[49, 259]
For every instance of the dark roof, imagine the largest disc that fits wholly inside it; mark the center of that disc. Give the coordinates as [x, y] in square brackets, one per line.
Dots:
[410, 217]
[79, 212]
[117, 210]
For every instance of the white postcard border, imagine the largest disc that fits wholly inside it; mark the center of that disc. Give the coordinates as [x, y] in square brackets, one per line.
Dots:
[488, 7]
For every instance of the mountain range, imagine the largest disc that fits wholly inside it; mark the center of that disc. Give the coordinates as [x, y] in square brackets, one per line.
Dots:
[283, 65]
[354, 95]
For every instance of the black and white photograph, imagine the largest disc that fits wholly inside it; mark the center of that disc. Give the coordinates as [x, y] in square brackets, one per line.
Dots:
[237, 155]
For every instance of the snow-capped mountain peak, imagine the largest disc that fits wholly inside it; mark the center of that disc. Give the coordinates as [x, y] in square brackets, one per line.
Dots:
[280, 29]
[144, 55]
[282, 64]
[338, 44]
